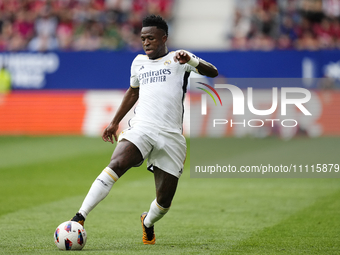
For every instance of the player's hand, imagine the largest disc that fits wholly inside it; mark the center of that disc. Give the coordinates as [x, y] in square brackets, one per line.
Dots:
[110, 132]
[182, 57]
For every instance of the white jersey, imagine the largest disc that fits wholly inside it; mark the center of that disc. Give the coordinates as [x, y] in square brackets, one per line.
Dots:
[162, 85]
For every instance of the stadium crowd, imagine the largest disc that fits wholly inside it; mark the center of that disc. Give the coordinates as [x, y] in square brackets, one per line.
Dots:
[286, 24]
[75, 25]
[88, 25]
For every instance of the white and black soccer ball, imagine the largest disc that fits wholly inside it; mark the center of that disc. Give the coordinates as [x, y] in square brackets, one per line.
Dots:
[70, 235]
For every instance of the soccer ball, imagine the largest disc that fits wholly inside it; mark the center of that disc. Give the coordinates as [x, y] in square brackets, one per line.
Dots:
[70, 235]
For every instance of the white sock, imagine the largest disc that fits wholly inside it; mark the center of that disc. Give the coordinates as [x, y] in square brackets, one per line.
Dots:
[155, 213]
[99, 190]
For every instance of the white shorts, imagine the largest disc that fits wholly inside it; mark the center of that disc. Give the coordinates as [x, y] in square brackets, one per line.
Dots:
[165, 150]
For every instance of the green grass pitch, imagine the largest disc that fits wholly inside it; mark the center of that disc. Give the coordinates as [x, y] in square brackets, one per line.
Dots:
[43, 181]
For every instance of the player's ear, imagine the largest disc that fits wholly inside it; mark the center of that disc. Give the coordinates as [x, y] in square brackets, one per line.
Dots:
[164, 38]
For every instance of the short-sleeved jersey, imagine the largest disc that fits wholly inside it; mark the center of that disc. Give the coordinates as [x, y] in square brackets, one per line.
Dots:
[162, 85]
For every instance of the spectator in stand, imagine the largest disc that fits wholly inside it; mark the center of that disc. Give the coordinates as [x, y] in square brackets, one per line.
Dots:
[307, 41]
[6, 34]
[312, 10]
[112, 39]
[45, 30]
[242, 24]
[240, 43]
[3, 43]
[65, 30]
[262, 42]
[17, 43]
[284, 42]
[304, 26]
[331, 8]
[22, 31]
[335, 28]
[132, 40]
[288, 28]
[323, 32]
[118, 10]
[290, 9]
[264, 28]
[90, 38]
[24, 24]
[43, 42]
[241, 28]
[46, 23]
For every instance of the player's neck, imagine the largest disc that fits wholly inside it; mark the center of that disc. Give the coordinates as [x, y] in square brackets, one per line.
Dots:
[161, 54]
[164, 54]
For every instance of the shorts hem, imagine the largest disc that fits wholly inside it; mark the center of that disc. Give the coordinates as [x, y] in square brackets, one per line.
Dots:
[164, 170]
[141, 151]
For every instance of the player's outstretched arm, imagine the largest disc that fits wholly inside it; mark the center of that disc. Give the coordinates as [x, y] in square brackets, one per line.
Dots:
[202, 66]
[129, 100]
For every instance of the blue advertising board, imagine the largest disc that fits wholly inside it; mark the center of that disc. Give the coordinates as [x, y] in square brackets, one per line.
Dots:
[111, 70]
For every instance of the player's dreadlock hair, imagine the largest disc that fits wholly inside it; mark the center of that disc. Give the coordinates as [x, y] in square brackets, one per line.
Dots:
[155, 21]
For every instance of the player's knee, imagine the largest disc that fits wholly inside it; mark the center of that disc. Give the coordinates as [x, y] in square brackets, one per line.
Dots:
[164, 201]
[117, 167]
